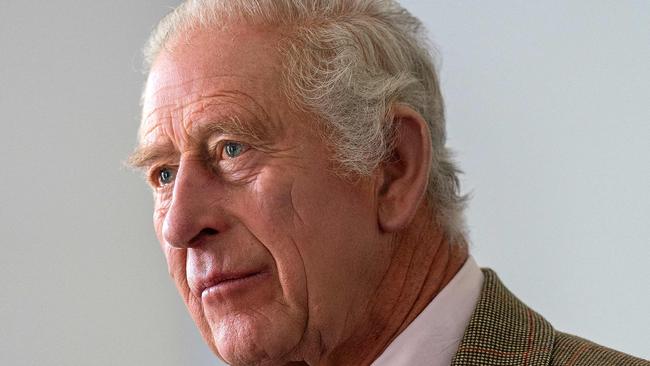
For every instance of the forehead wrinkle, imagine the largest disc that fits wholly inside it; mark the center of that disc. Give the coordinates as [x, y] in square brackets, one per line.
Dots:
[167, 108]
[193, 81]
[264, 124]
[159, 140]
[227, 113]
[190, 102]
[189, 97]
[159, 125]
[229, 125]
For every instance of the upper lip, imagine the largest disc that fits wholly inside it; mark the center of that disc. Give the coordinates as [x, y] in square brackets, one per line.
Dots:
[219, 277]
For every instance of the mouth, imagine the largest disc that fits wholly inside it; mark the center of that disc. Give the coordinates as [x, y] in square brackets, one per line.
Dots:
[227, 284]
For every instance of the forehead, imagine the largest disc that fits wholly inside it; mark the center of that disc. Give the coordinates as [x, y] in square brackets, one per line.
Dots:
[234, 70]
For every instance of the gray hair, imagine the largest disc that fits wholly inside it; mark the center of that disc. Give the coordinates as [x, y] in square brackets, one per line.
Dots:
[348, 62]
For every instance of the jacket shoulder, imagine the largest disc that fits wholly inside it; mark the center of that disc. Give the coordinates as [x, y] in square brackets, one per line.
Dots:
[569, 350]
[503, 331]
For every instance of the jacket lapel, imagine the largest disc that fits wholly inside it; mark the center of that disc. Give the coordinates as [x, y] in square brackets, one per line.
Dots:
[504, 331]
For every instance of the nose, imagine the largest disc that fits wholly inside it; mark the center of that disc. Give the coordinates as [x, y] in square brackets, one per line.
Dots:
[193, 213]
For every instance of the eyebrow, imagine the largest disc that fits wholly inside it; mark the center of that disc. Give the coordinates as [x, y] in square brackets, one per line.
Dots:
[148, 154]
[232, 125]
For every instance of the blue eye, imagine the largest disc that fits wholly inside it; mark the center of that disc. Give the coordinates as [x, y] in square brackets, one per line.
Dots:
[165, 176]
[233, 149]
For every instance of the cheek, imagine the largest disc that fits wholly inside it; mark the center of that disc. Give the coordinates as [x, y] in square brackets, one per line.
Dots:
[336, 238]
[177, 267]
[307, 223]
[161, 203]
[176, 258]
[268, 214]
[176, 262]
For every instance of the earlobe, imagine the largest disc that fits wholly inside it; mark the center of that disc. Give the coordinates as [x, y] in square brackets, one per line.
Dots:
[404, 178]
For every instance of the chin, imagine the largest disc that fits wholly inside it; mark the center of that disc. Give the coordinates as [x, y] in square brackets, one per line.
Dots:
[255, 339]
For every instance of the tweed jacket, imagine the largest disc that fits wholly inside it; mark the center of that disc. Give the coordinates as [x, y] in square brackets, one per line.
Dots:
[504, 331]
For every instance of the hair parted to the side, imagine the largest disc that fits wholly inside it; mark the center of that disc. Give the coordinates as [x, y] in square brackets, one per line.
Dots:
[348, 62]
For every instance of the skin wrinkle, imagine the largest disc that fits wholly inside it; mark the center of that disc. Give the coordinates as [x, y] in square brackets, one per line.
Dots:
[404, 40]
[191, 81]
[158, 154]
[260, 240]
[281, 210]
[430, 270]
[215, 203]
[253, 312]
[149, 155]
[283, 305]
[228, 125]
[231, 98]
[306, 323]
[306, 290]
[293, 205]
[404, 280]
[255, 130]
[190, 300]
[400, 297]
[432, 285]
[347, 316]
[146, 121]
[241, 179]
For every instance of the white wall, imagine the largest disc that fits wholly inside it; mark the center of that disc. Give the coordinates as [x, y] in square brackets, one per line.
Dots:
[547, 109]
[82, 280]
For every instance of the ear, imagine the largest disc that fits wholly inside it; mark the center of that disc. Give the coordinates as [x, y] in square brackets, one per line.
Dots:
[403, 179]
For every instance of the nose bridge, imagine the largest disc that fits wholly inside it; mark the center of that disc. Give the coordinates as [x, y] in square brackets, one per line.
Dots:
[188, 213]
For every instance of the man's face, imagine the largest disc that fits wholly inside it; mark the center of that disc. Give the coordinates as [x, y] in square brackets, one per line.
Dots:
[274, 254]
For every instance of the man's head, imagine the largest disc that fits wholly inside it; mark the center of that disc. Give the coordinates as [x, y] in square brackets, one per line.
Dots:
[291, 146]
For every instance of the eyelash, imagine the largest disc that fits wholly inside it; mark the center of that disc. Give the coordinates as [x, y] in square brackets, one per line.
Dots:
[224, 145]
[155, 175]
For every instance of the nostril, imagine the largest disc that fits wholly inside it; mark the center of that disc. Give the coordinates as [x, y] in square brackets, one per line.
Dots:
[208, 232]
[202, 234]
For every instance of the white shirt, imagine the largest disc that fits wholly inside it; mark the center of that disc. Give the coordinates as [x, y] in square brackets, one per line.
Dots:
[432, 339]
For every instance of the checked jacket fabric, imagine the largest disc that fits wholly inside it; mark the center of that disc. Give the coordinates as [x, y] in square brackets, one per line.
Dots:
[503, 331]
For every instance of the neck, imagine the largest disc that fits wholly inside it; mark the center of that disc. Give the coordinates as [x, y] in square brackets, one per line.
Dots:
[424, 262]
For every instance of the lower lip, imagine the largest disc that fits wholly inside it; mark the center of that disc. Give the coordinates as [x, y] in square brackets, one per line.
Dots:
[230, 288]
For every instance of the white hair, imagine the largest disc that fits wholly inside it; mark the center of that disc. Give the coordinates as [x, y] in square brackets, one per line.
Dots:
[348, 62]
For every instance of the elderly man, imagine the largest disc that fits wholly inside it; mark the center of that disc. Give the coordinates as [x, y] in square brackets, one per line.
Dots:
[305, 200]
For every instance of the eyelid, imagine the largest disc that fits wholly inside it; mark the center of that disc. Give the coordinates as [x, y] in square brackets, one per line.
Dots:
[154, 175]
[244, 146]
[216, 148]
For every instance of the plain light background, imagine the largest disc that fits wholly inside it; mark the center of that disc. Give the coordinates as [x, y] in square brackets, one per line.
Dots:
[548, 111]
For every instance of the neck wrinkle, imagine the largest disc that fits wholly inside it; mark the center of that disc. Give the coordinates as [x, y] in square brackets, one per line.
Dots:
[425, 262]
